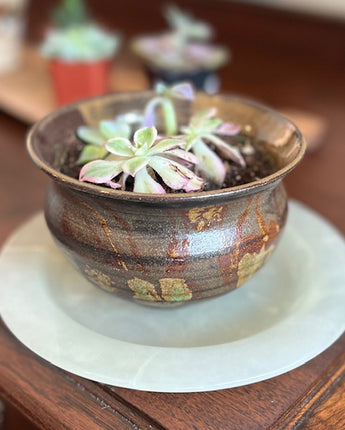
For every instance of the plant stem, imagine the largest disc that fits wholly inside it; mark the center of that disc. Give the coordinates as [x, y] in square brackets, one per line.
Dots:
[169, 117]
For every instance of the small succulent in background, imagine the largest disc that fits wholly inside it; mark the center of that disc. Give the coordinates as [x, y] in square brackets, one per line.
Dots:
[70, 12]
[186, 26]
[74, 37]
[80, 43]
[183, 51]
[96, 137]
[143, 159]
[204, 129]
[164, 99]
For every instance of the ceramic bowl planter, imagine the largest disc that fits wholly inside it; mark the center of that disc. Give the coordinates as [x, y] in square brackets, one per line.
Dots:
[173, 248]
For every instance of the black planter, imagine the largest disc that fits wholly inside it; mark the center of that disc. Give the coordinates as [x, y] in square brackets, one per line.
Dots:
[202, 79]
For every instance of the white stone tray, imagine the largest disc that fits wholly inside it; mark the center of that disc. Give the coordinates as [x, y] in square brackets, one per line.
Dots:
[289, 313]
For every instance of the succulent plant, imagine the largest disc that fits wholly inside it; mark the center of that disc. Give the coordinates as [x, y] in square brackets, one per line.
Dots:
[96, 137]
[185, 47]
[163, 99]
[80, 43]
[204, 129]
[185, 25]
[176, 158]
[143, 159]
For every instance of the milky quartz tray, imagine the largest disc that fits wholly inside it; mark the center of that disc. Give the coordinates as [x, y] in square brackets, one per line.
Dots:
[291, 311]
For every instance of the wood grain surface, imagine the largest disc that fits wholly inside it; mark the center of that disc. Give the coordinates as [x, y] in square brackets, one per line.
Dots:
[281, 59]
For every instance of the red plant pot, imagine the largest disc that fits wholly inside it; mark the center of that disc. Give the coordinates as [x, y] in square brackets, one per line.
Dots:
[75, 81]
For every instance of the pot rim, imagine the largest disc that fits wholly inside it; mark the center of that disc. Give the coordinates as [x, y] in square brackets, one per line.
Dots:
[231, 192]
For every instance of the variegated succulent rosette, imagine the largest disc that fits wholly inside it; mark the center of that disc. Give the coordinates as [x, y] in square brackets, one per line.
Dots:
[129, 152]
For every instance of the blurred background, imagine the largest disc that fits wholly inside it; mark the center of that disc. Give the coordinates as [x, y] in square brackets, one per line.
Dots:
[274, 47]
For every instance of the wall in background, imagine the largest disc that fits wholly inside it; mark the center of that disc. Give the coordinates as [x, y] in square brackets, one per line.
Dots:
[331, 8]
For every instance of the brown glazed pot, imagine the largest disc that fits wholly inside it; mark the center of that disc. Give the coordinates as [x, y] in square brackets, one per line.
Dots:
[173, 248]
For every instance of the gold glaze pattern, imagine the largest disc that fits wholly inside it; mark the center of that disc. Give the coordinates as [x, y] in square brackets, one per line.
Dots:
[172, 290]
[204, 218]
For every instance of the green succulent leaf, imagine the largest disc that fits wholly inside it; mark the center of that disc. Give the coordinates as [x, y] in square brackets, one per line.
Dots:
[110, 129]
[144, 183]
[202, 115]
[91, 152]
[91, 135]
[145, 137]
[209, 125]
[190, 138]
[210, 164]
[120, 146]
[133, 165]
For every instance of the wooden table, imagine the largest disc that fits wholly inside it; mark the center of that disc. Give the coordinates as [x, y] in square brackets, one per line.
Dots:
[301, 67]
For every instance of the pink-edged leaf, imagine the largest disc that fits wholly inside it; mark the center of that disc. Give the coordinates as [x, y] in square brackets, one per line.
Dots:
[226, 150]
[165, 145]
[194, 184]
[114, 185]
[120, 146]
[145, 136]
[133, 165]
[229, 129]
[144, 183]
[100, 171]
[209, 163]
[190, 141]
[183, 90]
[184, 155]
[175, 175]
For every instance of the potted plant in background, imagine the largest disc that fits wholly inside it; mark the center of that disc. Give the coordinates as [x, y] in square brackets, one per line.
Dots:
[80, 53]
[166, 197]
[182, 53]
